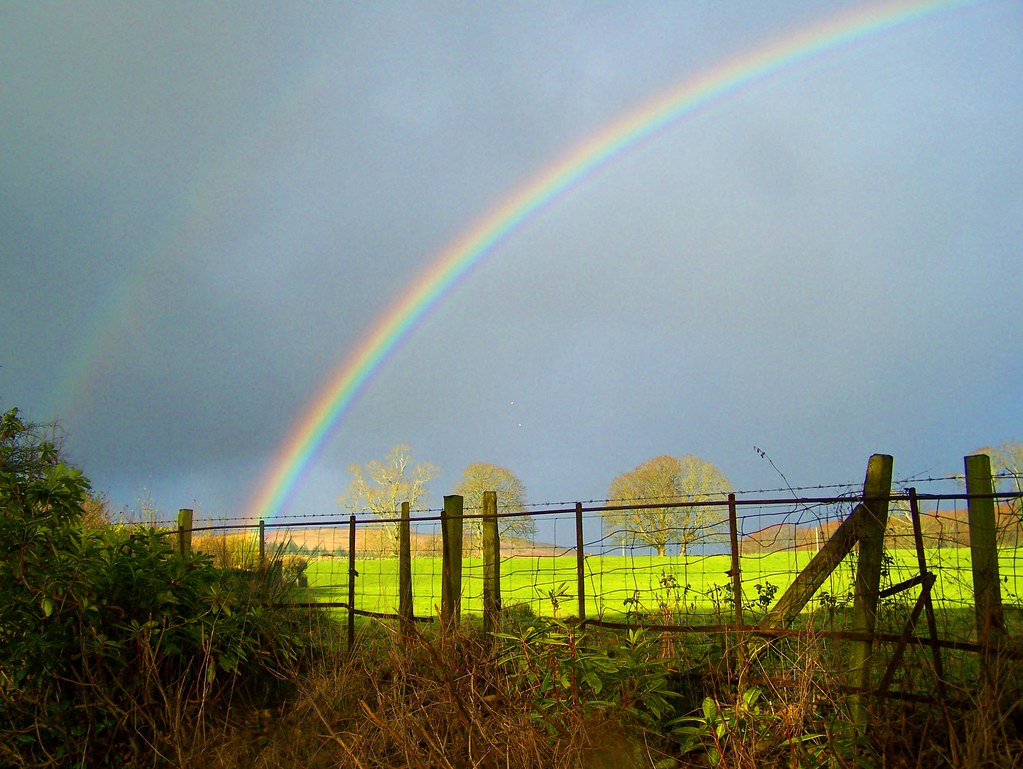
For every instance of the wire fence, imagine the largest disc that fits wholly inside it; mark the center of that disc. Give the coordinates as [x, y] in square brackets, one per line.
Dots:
[651, 562]
[895, 593]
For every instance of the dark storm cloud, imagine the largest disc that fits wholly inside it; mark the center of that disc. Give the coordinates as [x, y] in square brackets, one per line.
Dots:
[207, 207]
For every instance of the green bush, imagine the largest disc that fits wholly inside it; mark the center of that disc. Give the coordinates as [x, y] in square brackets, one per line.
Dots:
[112, 645]
[559, 671]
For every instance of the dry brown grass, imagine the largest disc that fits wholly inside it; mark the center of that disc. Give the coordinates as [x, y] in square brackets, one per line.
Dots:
[444, 701]
[437, 701]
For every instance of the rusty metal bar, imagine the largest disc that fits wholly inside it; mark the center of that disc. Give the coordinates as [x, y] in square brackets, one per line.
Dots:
[902, 586]
[932, 623]
[352, 574]
[907, 632]
[262, 544]
[580, 561]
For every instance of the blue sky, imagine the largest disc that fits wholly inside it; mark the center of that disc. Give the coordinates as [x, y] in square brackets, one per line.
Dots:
[206, 207]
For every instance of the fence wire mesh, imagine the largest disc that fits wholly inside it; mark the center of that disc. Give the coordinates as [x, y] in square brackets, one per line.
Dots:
[671, 566]
[677, 572]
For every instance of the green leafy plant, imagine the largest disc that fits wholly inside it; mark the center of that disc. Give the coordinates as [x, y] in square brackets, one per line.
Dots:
[673, 598]
[830, 602]
[751, 732]
[560, 670]
[633, 607]
[766, 591]
[722, 598]
[556, 596]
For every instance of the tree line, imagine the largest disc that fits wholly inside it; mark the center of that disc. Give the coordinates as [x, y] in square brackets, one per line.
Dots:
[380, 487]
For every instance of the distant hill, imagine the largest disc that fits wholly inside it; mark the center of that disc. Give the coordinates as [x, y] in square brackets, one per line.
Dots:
[372, 540]
[940, 528]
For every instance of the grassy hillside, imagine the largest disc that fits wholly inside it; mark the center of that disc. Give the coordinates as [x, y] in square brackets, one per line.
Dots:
[679, 589]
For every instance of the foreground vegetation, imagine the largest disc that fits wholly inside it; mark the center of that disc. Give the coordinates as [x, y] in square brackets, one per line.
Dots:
[118, 651]
[113, 646]
[547, 695]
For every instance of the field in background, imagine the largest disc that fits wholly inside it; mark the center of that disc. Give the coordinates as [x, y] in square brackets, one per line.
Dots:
[618, 587]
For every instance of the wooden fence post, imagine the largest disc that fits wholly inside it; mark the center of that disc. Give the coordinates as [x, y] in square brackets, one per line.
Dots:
[451, 570]
[580, 561]
[736, 574]
[815, 573]
[984, 548]
[405, 605]
[877, 487]
[491, 564]
[262, 544]
[352, 574]
[185, 531]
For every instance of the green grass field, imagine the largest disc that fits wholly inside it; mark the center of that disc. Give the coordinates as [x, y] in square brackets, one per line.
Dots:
[693, 589]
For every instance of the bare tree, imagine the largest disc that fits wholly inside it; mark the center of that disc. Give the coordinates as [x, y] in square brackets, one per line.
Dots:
[511, 497]
[1007, 464]
[671, 480]
[96, 510]
[1007, 467]
[381, 486]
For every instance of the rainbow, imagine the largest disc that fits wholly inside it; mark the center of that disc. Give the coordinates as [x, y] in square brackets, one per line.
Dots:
[456, 261]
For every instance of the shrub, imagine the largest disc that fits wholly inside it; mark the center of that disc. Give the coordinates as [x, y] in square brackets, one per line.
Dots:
[559, 671]
[111, 643]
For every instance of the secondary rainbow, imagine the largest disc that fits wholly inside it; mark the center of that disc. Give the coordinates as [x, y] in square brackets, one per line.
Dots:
[336, 397]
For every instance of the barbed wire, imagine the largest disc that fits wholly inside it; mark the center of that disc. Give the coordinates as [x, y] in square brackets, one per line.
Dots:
[850, 491]
[814, 507]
